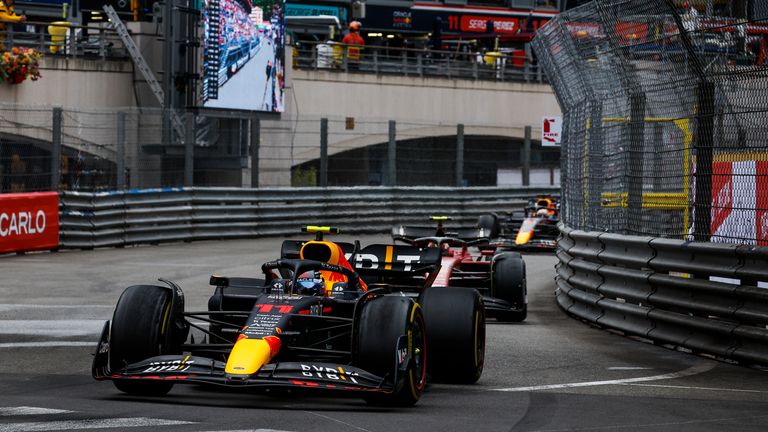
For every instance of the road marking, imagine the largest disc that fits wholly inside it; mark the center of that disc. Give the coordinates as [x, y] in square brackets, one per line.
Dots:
[4, 307]
[699, 388]
[693, 370]
[26, 410]
[84, 327]
[89, 424]
[46, 344]
[251, 430]
[626, 368]
[337, 421]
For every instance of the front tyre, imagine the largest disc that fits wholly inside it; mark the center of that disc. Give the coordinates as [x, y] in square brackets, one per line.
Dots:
[508, 282]
[455, 319]
[141, 328]
[385, 323]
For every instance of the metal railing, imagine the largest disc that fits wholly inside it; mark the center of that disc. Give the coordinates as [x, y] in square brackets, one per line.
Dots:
[68, 40]
[702, 297]
[496, 66]
[89, 220]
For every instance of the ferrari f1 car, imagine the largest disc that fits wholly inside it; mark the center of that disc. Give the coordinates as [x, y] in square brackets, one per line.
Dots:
[311, 324]
[535, 228]
[468, 261]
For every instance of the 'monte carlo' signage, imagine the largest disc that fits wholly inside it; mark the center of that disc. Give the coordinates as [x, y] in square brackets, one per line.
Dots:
[29, 221]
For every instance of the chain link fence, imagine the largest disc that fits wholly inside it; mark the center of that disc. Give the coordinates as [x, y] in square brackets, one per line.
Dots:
[665, 110]
[44, 148]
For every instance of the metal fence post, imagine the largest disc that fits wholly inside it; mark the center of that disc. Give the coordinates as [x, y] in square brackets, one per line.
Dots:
[595, 170]
[526, 156]
[392, 155]
[56, 149]
[255, 144]
[120, 150]
[189, 151]
[460, 155]
[705, 121]
[323, 152]
[635, 169]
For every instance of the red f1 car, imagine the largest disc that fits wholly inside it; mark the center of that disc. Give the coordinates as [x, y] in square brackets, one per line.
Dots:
[468, 261]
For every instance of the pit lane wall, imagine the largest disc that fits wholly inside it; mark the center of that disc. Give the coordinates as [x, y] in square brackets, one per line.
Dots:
[90, 220]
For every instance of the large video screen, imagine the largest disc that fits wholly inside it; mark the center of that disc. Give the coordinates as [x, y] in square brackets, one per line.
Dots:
[244, 55]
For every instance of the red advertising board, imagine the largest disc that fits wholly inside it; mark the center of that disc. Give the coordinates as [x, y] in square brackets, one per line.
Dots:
[479, 24]
[29, 221]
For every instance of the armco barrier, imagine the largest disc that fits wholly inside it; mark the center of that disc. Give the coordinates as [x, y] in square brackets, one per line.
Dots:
[150, 216]
[660, 289]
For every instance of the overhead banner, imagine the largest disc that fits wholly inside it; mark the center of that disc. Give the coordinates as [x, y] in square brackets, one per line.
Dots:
[454, 19]
[29, 221]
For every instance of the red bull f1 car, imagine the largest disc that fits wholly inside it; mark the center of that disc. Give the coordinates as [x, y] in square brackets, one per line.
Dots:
[310, 324]
[533, 229]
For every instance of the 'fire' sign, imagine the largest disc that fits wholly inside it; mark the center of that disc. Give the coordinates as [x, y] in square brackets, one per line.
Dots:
[551, 130]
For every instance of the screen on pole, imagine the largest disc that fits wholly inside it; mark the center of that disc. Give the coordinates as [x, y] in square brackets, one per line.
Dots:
[244, 54]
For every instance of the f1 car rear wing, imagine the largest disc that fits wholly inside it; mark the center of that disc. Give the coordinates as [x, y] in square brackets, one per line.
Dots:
[291, 248]
[472, 235]
[396, 260]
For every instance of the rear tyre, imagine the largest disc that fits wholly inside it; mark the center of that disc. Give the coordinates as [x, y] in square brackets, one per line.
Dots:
[382, 323]
[140, 329]
[508, 282]
[489, 222]
[455, 319]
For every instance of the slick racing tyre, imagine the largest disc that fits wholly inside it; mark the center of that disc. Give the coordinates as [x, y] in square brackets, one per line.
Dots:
[383, 321]
[508, 283]
[489, 222]
[455, 319]
[141, 327]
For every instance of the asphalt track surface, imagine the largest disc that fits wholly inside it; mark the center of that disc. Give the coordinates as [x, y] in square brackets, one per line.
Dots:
[551, 373]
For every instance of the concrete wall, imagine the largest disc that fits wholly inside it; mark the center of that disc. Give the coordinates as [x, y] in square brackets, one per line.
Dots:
[422, 107]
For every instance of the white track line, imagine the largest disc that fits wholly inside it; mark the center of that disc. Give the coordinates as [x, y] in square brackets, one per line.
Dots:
[47, 344]
[626, 368]
[694, 370]
[698, 388]
[25, 410]
[251, 430]
[89, 424]
[10, 306]
[84, 327]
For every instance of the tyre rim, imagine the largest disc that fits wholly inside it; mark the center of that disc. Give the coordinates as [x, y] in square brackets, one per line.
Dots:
[479, 339]
[419, 371]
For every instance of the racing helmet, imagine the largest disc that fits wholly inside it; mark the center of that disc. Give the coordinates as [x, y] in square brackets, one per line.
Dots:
[311, 284]
[543, 203]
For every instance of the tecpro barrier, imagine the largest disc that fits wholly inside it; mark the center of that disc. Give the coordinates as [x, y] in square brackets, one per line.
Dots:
[184, 214]
[29, 221]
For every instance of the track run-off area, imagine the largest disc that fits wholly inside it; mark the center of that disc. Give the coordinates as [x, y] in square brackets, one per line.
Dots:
[549, 373]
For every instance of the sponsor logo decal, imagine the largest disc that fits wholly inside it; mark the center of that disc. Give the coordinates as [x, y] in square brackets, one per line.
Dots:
[323, 372]
[169, 366]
